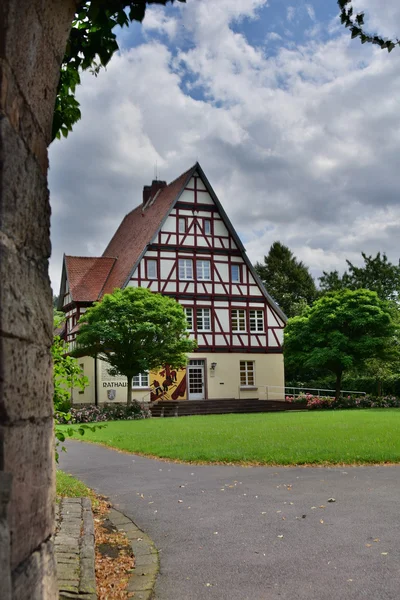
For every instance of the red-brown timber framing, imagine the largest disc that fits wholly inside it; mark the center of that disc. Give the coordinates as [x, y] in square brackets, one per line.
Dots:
[155, 229]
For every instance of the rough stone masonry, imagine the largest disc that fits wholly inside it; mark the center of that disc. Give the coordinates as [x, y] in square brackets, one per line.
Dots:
[33, 35]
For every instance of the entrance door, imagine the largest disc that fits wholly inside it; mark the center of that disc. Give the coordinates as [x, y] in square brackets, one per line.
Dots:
[195, 374]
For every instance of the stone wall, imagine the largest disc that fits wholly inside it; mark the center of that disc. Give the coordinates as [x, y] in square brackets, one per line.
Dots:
[33, 35]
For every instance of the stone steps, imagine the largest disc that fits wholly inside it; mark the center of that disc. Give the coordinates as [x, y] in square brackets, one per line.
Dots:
[167, 408]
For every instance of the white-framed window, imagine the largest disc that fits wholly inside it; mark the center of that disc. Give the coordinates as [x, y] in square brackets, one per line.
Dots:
[247, 373]
[151, 266]
[207, 227]
[256, 318]
[141, 380]
[189, 318]
[185, 268]
[203, 269]
[203, 318]
[238, 319]
[182, 225]
[235, 273]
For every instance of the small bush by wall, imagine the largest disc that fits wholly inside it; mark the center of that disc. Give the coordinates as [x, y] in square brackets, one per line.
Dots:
[105, 412]
[327, 402]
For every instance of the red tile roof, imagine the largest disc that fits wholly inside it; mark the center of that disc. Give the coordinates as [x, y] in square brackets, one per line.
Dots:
[138, 229]
[87, 276]
[91, 277]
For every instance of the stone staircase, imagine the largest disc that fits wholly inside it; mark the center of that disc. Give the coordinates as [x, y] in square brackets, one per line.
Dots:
[183, 408]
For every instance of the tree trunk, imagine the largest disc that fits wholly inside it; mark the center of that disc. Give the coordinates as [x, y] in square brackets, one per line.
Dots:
[379, 387]
[338, 384]
[129, 390]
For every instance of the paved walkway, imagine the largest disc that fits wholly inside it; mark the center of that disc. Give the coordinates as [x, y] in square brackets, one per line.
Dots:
[74, 547]
[261, 533]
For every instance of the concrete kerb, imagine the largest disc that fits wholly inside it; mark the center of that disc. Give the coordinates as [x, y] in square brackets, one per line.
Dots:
[143, 580]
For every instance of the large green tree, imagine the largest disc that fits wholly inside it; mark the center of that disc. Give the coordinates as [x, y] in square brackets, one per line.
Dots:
[377, 274]
[135, 330]
[340, 332]
[287, 280]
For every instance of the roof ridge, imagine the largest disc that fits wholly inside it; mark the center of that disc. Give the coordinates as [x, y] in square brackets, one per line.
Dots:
[91, 257]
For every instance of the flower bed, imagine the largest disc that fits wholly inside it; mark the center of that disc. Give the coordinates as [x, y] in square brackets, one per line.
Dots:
[328, 402]
[105, 412]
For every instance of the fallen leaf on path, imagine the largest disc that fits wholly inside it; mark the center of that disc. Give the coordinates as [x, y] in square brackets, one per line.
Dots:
[368, 545]
[331, 500]
[280, 536]
[321, 520]
[384, 553]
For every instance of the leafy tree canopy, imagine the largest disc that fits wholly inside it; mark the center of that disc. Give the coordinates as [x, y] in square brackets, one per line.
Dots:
[92, 43]
[377, 274]
[355, 22]
[287, 280]
[66, 374]
[340, 332]
[135, 330]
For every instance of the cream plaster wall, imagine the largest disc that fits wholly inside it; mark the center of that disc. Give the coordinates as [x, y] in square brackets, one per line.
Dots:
[223, 382]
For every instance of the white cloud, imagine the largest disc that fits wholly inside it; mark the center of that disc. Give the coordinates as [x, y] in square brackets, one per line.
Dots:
[310, 11]
[290, 13]
[301, 146]
[157, 20]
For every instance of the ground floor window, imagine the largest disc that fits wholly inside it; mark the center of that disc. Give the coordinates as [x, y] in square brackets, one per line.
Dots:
[141, 380]
[247, 373]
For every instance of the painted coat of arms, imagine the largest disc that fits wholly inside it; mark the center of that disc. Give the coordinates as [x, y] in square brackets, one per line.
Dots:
[111, 394]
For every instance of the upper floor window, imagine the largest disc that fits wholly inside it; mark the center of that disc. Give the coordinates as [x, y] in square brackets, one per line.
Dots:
[203, 269]
[182, 225]
[203, 317]
[151, 266]
[235, 273]
[207, 227]
[238, 319]
[189, 318]
[185, 268]
[247, 373]
[256, 319]
[141, 380]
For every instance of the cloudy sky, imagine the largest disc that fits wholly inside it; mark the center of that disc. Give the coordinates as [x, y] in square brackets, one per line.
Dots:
[296, 126]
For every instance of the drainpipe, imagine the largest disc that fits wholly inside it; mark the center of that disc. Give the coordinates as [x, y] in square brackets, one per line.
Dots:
[96, 391]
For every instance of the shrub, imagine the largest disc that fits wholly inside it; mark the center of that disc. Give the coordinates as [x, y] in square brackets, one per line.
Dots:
[328, 402]
[105, 412]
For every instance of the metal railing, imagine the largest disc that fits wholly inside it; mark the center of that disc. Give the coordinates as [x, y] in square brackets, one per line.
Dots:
[275, 392]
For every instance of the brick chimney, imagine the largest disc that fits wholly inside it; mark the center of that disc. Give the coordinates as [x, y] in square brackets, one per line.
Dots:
[146, 193]
[149, 191]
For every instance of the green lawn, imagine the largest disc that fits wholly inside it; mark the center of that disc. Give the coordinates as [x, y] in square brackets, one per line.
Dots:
[319, 437]
[68, 486]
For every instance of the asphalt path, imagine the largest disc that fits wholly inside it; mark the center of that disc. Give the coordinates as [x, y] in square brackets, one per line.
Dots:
[259, 533]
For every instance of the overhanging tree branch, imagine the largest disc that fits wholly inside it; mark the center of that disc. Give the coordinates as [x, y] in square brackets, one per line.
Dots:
[355, 22]
[91, 45]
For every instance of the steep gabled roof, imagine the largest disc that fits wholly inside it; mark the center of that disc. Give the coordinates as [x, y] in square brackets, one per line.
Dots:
[87, 276]
[138, 229]
[90, 278]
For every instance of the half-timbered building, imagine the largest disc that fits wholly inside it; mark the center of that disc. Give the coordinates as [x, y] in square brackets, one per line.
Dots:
[180, 242]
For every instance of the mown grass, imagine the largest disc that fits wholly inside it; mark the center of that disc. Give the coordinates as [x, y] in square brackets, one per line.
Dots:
[320, 437]
[69, 487]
